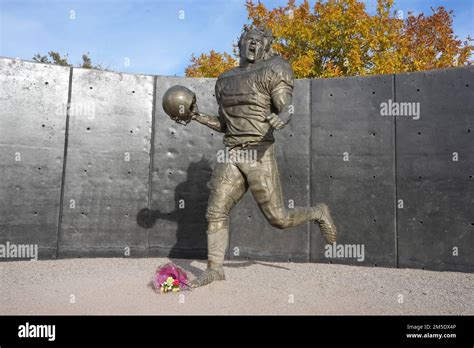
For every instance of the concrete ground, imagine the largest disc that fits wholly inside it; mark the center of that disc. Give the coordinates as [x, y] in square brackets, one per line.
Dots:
[119, 286]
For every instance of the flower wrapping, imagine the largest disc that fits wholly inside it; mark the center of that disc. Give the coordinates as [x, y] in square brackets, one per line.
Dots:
[170, 278]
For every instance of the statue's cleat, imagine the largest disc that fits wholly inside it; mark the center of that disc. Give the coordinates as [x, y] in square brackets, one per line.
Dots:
[326, 224]
[208, 276]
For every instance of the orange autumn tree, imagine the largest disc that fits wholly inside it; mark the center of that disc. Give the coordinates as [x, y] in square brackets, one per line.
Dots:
[339, 38]
[211, 64]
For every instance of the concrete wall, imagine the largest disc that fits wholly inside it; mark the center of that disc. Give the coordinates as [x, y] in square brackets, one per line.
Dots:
[112, 175]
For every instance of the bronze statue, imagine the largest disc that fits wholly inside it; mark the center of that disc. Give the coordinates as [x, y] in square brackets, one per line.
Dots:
[254, 99]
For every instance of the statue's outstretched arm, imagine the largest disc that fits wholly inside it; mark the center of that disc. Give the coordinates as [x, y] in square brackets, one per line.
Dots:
[214, 122]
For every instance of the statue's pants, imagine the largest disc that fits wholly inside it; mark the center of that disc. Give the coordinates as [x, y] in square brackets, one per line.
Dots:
[253, 167]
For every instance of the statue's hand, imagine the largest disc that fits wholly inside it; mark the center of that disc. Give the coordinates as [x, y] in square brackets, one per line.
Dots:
[275, 121]
[194, 111]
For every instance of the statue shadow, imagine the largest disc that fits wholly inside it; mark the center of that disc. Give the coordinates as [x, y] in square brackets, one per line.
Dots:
[189, 214]
[187, 265]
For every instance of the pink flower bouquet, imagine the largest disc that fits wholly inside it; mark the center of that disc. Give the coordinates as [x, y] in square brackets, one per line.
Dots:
[170, 278]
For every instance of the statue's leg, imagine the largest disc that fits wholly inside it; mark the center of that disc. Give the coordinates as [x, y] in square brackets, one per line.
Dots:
[264, 182]
[228, 186]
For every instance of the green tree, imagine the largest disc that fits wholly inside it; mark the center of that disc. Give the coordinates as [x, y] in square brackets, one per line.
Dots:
[54, 57]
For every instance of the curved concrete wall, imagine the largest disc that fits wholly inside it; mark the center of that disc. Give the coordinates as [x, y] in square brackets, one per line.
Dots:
[92, 166]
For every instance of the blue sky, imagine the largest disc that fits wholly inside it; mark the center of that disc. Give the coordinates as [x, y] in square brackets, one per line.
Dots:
[150, 37]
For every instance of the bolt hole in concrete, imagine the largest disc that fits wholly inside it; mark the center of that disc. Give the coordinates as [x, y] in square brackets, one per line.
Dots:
[129, 173]
[331, 176]
[330, 135]
[419, 133]
[419, 177]
[291, 135]
[469, 130]
[467, 85]
[42, 125]
[85, 170]
[330, 95]
[82, 213]
[126, 214]
[373, 92]
[417, 89]
[373, 134]
[39, 168]
[133, 91]
[35, 213]
[90, 87]
[374, 176]
[131, 132]
[472, 223]
[470, 176]
[421, 222]
[375, 220]
[88, 128]
[46, 83]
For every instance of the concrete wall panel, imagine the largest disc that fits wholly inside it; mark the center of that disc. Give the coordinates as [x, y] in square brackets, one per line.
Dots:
[108, 163]
[435, 169]
[352, 166]
[33, 99]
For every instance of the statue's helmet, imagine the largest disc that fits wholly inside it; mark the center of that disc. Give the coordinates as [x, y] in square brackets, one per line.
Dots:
[177, 103]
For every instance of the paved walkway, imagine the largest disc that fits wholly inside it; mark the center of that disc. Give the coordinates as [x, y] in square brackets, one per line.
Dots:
[119, 286]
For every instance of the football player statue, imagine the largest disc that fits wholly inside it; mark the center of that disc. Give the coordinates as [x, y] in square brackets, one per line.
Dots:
[254, 99]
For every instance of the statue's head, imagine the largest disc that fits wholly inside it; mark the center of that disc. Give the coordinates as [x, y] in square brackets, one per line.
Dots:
[255, 45]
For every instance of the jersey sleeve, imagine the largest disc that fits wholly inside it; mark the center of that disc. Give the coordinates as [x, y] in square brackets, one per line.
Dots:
[281, 77]
[217, 92]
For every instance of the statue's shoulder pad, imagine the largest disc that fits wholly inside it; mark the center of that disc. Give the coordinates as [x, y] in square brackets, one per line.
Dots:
[278, 64]
[228, 73]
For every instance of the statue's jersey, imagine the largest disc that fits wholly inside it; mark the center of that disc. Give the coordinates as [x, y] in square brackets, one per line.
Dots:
[245, 95]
